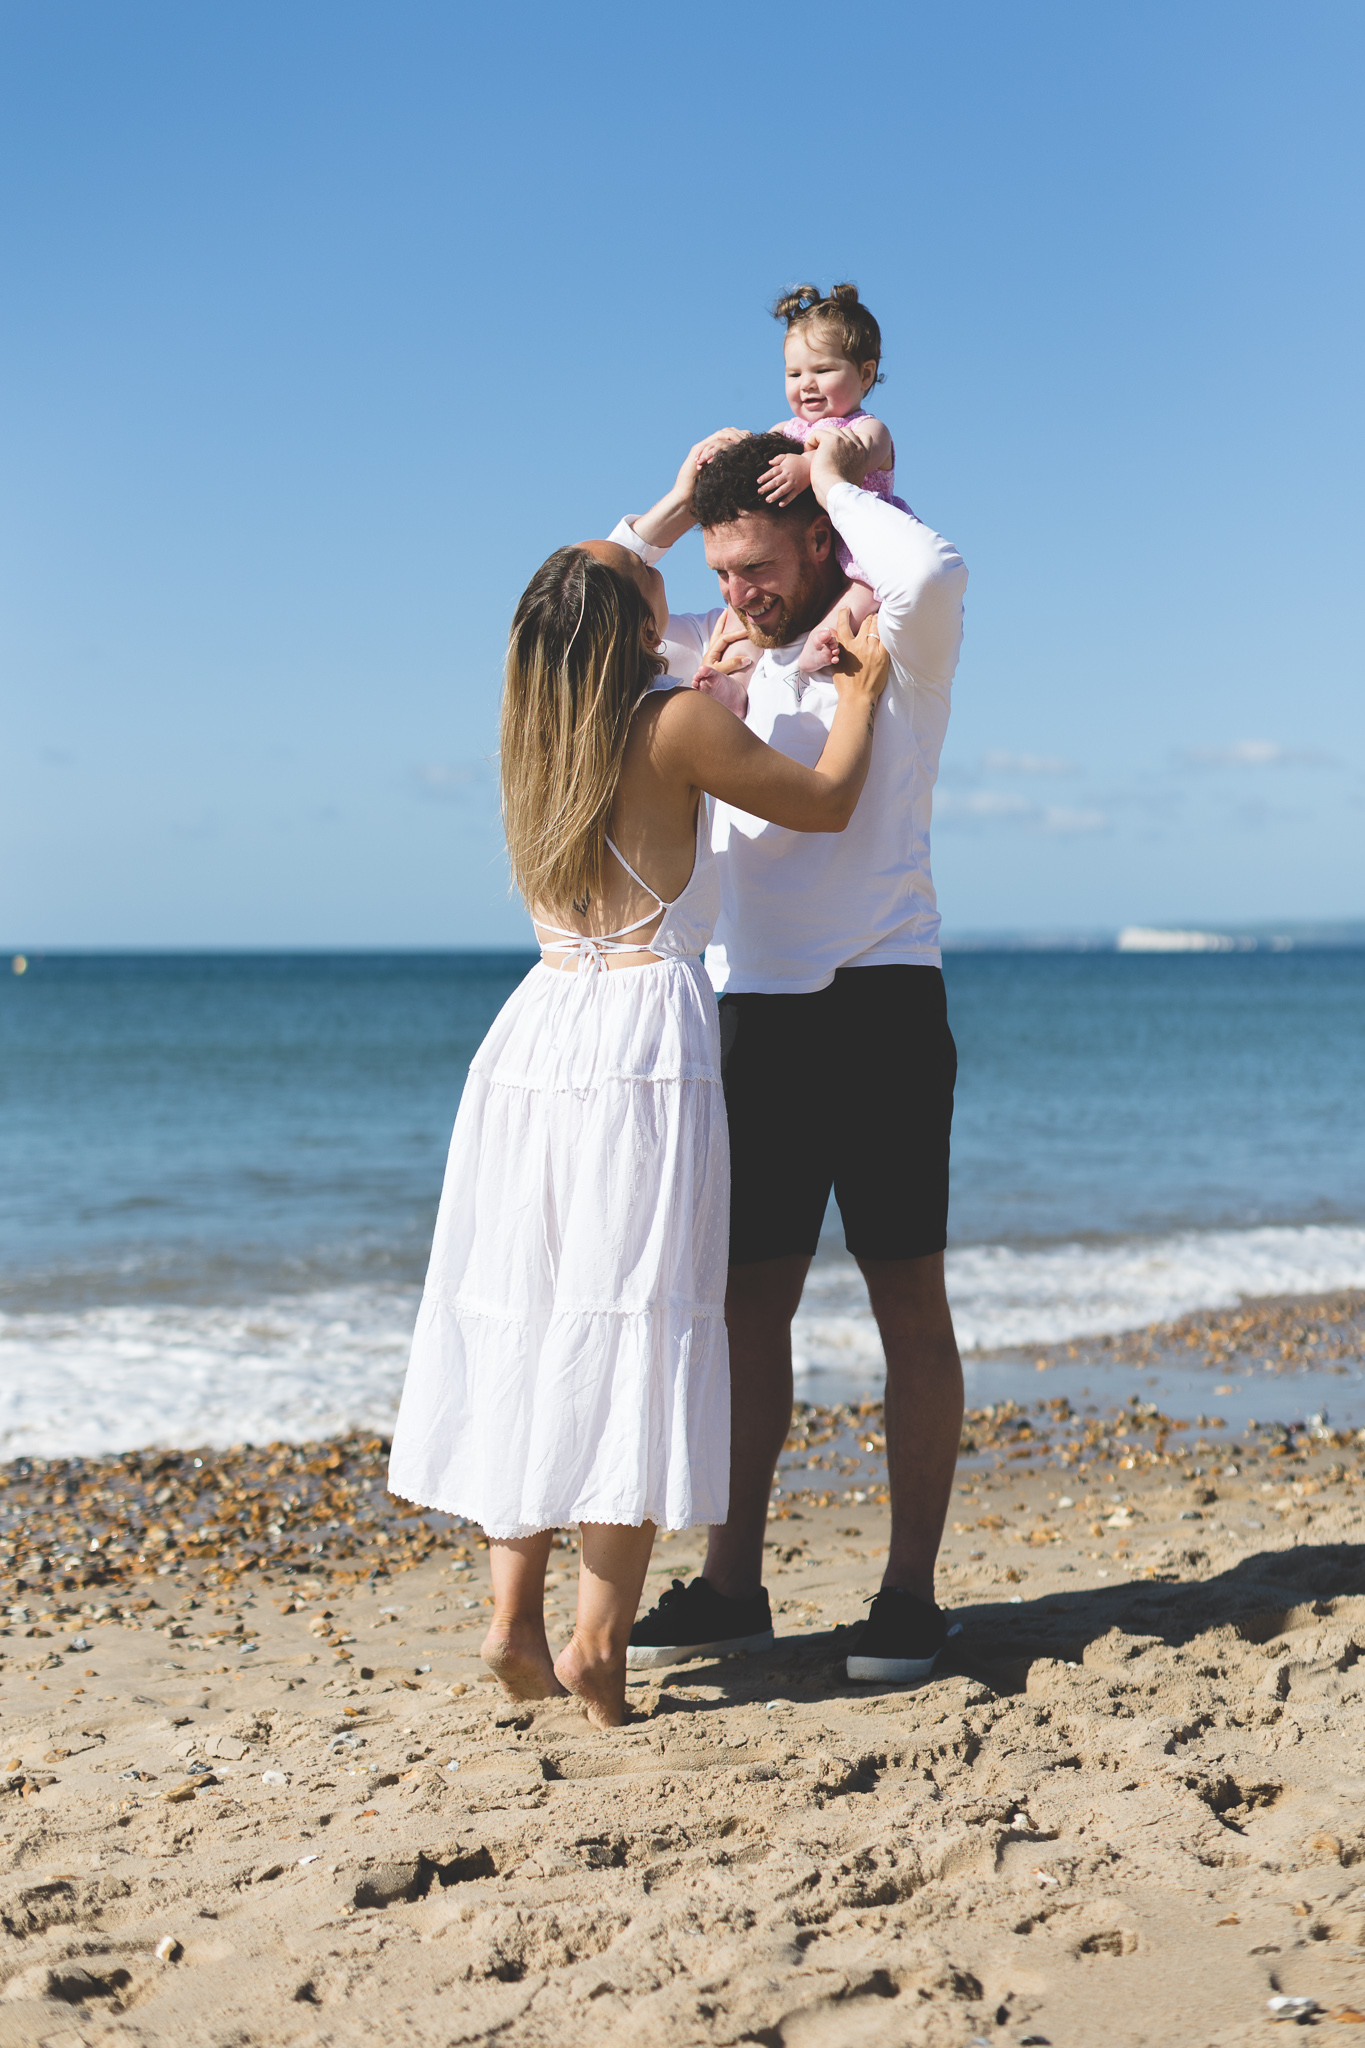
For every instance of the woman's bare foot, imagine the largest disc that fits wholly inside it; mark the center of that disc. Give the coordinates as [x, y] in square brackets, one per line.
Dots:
[520, 1659]
[599, 1683]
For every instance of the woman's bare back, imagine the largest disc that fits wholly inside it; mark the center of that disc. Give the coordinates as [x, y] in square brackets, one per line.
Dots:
[654, 822]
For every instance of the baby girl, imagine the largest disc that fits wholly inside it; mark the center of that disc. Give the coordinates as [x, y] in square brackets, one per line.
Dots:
[833, 355]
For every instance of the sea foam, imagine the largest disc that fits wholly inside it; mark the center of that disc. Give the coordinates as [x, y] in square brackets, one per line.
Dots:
[310, 1365]
[1002, 1296]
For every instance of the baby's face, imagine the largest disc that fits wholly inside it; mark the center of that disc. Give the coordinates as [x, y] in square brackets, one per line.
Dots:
[821, 383]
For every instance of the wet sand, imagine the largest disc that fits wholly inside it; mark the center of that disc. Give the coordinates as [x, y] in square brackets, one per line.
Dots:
[255, 1786]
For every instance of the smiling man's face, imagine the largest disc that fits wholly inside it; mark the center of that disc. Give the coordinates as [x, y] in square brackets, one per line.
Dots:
[779, 575]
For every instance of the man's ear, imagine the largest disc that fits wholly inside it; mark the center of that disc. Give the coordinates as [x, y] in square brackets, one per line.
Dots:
[820, 538]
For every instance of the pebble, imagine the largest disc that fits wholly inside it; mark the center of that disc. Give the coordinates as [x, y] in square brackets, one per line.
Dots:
[1285, 2008]
[273, 1778]
[186, 1789]
[168, 1949]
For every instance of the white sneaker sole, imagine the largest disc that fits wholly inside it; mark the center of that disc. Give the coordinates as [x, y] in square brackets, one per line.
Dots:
[892, 1670]
[639, 1657]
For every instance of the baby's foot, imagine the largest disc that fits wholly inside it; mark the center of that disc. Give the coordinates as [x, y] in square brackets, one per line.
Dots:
[820, 651]
[599, 1684]
[730, 691]
[520, 1660]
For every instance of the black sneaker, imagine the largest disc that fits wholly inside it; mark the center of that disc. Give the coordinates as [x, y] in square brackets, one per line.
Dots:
[901, 1638]
[694, 1620]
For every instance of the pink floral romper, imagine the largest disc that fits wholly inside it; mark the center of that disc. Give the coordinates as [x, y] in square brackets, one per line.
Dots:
[881, 482]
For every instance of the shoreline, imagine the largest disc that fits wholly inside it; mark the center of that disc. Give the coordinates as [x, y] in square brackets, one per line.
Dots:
[276, 1797]
[285, 1510]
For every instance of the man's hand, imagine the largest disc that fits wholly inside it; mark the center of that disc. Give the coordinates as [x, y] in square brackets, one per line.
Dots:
[725, 437]
[836, 457]
[671, 517]
[785, 478]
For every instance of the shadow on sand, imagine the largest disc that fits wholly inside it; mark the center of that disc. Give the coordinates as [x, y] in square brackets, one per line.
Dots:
[1000, 1640]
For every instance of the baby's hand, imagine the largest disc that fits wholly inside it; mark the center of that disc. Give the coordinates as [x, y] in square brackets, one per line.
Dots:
[785, 478]
[727, 690]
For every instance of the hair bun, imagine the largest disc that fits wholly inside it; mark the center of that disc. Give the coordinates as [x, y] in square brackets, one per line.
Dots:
[846, 294]
[799, 299]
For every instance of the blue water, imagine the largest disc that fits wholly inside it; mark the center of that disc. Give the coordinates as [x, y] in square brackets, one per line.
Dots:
[202, 1125]
[1110, 1094]
[229, 1164]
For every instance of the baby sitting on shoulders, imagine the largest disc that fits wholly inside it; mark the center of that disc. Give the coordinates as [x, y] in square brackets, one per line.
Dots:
[832, 357]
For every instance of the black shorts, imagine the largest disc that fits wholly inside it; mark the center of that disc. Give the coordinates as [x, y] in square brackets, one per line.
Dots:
[850, 1088]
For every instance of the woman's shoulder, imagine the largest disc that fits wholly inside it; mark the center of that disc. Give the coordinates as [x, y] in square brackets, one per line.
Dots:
[664, 700]
[679, 713]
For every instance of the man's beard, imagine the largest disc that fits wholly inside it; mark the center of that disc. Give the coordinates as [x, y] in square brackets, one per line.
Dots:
[798, 614]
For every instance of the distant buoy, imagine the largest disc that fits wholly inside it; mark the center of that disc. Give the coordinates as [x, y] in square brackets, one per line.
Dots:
[20, 963]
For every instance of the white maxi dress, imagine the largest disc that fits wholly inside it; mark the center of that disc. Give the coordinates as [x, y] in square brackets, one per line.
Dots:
[570, 1360]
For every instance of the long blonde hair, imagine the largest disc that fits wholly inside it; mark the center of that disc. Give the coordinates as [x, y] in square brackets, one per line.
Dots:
[577, 667]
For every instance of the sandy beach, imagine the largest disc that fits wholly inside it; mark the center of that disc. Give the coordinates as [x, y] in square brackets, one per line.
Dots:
[257, 1787]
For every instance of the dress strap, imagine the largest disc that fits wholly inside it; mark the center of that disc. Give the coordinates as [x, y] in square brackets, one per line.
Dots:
[637, 879]
[588, 951]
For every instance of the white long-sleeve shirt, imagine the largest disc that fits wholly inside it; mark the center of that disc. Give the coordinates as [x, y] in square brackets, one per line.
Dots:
[796, 906]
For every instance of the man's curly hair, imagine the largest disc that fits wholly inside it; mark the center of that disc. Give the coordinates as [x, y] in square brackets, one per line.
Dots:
[727, 486]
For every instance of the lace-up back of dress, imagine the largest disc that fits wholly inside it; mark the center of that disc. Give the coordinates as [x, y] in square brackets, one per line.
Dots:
[684, 930]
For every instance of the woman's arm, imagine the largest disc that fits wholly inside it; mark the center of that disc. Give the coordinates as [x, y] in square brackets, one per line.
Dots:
[702, 743]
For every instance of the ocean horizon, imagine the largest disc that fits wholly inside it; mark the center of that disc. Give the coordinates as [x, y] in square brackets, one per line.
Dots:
[221, 1169]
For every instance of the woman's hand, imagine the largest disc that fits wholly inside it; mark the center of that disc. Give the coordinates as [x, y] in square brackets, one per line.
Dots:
[864, 667]
[729, 649]
[722, 672]
[785, 478]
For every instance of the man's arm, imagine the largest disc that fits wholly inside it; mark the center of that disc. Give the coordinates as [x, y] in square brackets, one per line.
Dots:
[918, 576]
[684, 644]
[650, 534]
[670, 518]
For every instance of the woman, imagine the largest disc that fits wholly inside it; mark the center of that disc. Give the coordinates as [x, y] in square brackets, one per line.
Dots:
[570, 1362]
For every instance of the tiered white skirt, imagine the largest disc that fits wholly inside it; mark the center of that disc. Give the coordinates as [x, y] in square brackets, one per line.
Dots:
[570, 1360]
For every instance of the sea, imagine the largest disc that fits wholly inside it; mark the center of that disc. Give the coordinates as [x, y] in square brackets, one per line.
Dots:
[219, 1175]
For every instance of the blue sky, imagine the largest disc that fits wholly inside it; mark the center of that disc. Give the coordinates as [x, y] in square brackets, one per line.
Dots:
[323, 324]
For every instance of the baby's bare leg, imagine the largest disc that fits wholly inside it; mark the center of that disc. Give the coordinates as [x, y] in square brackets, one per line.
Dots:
[515, 1646]
[822, 646]
[592, 1664]
[860, 599]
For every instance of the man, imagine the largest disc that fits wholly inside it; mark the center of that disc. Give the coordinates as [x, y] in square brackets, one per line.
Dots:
[837, 1058]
